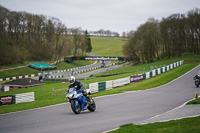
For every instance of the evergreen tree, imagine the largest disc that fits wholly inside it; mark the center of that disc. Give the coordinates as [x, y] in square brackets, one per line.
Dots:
[88, 42]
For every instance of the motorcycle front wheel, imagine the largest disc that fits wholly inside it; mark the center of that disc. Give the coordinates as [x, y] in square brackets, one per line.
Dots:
[75, 108]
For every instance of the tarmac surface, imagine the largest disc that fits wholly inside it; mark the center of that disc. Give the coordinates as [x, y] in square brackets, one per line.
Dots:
[184, 111]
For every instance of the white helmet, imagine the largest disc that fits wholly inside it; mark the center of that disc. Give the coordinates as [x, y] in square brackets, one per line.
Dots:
[72, 79]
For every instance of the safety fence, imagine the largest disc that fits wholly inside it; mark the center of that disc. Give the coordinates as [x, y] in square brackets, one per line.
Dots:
[53, 72]
[73, 73]
[17, 98]
[76, 72]
[73, 69]
[101, 86]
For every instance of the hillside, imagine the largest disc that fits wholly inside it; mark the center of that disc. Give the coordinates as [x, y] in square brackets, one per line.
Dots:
[107, 46]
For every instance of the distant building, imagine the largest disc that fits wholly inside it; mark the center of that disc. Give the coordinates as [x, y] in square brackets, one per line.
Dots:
[20, 84]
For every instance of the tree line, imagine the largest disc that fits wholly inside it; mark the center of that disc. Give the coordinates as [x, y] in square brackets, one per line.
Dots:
[25, 36]
[172, 36]
[103, 32]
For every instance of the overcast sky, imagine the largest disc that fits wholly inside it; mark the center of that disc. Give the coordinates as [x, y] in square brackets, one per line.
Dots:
[115, 15]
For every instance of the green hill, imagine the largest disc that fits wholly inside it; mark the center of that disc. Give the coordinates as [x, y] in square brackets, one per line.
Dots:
[107, 46]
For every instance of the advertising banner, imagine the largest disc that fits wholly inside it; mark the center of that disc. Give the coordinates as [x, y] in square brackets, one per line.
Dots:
[136, 78]
[5, 100]
[120, 82]
[99, 58]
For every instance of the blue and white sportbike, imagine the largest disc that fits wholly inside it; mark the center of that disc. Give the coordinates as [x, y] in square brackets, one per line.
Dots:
[79, 102]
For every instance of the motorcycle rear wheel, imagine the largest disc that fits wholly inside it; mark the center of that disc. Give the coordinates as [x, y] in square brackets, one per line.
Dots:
[75, 109]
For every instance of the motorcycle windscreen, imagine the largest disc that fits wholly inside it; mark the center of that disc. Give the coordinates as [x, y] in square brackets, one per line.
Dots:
[71, 90]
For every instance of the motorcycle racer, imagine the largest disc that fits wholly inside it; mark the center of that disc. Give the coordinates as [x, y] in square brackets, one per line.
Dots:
[197, 76]
[78, 85]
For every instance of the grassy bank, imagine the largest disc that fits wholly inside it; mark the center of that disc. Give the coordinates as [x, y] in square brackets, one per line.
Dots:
[187, 125]
[107, 46]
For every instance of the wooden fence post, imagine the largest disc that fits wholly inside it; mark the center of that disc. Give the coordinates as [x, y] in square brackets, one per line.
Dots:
[53, 93]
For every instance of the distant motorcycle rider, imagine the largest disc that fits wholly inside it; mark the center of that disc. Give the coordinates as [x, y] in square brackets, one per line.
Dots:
[77, 84]
[197, 76]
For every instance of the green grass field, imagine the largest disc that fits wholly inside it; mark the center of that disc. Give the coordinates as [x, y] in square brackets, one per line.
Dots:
[187, 125]
[107, 46]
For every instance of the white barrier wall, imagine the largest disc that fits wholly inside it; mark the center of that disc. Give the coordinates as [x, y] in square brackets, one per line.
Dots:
[25, 97]
[109, 84]
[171, 66]
[147, 75]
[175, 64]
[153, 73]
[159, 71]
[163, 69]
[93, 87]
[120, 82]
[168, 68]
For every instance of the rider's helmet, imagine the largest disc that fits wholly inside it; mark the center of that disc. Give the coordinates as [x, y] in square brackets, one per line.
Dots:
[71, 79]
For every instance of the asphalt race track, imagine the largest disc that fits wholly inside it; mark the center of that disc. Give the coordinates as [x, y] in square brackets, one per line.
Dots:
[112, 111]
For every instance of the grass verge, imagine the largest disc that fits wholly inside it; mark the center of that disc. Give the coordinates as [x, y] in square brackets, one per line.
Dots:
[187, 125]
[195, 101]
